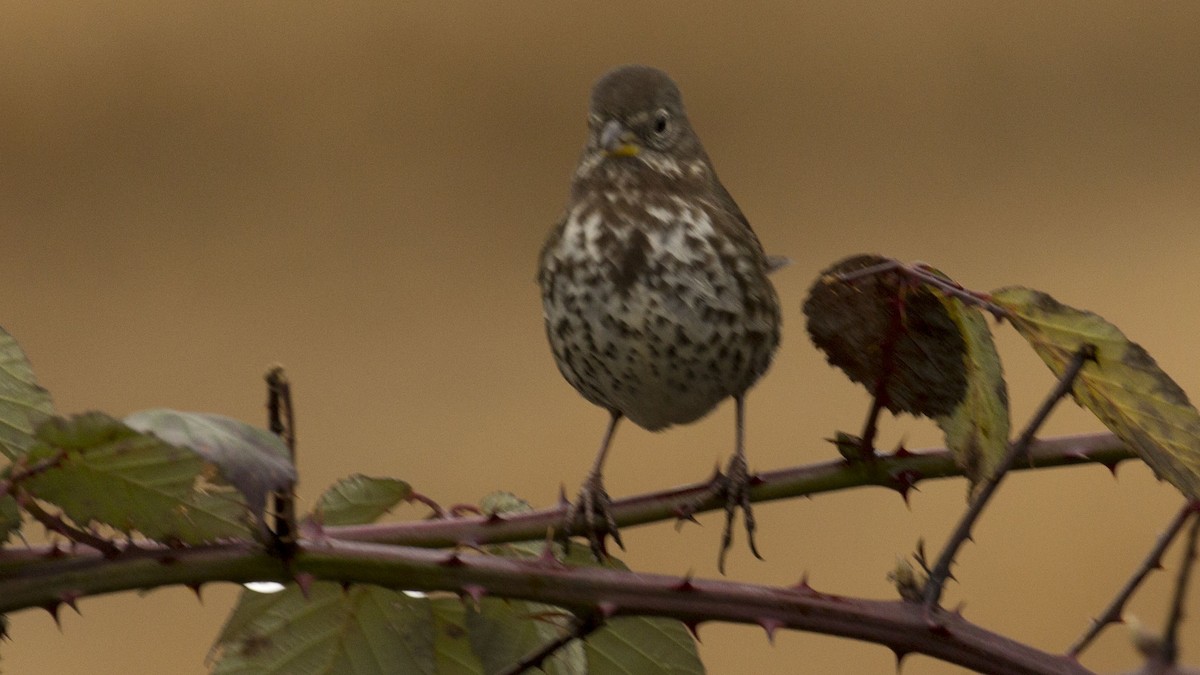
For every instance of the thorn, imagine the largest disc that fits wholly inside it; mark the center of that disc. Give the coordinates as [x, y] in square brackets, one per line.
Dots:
[803, 586]
[562, 496]
[195, 587]
[957, 612]
[304, 582]
[770, 626]
[606, 608]
[493, 518]
[685, 584]
[452, 559]
[905, 482]
[683, 516]
[346, 586]
[68, 598]
[1112, 467]
[900, 654]
[52, 607]
[693, 628]
[475, 592]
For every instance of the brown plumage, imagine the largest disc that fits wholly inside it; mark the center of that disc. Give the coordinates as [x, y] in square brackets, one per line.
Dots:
[654, 288]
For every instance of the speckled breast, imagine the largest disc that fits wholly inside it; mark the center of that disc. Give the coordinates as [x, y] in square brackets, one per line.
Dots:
[659, 318]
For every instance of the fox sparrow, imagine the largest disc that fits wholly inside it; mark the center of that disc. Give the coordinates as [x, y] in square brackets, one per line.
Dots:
[654, 288]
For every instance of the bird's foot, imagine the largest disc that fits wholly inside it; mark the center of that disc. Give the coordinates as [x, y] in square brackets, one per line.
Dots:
[733, 487]
[591, 515]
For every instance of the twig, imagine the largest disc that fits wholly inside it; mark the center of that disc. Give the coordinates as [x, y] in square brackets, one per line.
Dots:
[282, 422]
[899, 625]
[20, 473]
[279, 408]
[887, 368]
[56, 524]
[926, 275]
[1170, 644]
[941, 569]
[1112, 613]
[895, 472]
[584, 626]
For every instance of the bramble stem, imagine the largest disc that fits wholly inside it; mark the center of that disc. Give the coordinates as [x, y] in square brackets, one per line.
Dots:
[1153, 561]
[1170, 647]
[941, 569]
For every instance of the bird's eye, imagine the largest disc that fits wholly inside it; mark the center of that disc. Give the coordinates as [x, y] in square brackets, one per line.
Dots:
[661, 119]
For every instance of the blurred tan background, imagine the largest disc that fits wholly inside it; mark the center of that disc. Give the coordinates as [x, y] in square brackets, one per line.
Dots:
[189, 192]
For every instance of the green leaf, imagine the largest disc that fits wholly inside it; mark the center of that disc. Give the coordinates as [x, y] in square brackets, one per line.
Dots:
[10, 518]
[637, 644]
[1123, 387]
[253, 460]
[452, 645]
[23, 404]
[503, 631]
[875, 323]
[365, 630]
[501, 502]
[977, 430]
[111, 474]
[368, 630]
[360, 499]
[642, 645]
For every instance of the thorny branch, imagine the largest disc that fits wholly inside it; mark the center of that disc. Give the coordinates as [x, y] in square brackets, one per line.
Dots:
[900, 471]
[941, 569]
[899, 625]
[1170, 645]
[48, 576]
[1112, 613]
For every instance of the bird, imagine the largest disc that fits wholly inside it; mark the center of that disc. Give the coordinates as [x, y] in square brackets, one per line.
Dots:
[655, 291]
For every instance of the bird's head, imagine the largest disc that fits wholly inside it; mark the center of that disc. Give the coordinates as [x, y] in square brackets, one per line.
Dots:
[637, 112]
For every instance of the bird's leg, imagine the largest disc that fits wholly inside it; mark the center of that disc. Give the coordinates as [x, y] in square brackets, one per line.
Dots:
[735, 484]
[594, 503]
[734, 488]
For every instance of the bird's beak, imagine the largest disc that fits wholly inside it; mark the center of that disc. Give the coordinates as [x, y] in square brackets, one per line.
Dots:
[617, 141]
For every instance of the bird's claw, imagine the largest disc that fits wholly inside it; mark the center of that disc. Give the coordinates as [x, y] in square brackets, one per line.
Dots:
[737, 494]
[734, 486]
[595, 507]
